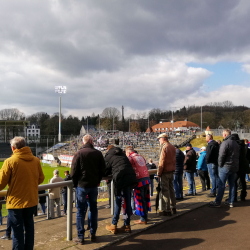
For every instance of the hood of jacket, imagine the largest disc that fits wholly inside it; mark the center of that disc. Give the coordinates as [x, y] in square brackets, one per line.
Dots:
[115, 151]
[23, 153]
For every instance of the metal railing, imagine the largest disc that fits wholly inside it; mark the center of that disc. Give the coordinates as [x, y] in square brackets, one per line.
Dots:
[69, 185]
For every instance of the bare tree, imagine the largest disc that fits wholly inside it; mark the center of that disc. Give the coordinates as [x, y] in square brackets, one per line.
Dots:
[111, 112]
[11, 114]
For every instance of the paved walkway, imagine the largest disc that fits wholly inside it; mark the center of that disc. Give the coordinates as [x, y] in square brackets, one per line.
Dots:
[51, 234]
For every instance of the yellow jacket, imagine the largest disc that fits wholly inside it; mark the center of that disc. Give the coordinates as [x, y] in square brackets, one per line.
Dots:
[23, 173]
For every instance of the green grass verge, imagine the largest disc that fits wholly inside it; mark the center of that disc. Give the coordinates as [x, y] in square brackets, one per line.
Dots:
[48, 173]
[200, 142]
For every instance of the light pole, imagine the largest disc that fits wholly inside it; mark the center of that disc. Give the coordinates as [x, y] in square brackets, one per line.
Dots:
[60, 90]
[201, 119]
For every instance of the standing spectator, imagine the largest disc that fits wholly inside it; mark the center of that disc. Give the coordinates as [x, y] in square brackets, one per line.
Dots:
[212, 154]
[67, 178]
[203, 170]
[151, 165]
[124, 179]
[42, 201]
[54, 195]
[228, 166]
[7, 235]
[23, 173]
[248, 158]
[243, 168]
[165, 171]
[178, 173]
[190, 168]
[141, 192]
[88, 167]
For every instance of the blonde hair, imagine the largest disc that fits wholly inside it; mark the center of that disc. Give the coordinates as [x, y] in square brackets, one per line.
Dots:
[129, 149]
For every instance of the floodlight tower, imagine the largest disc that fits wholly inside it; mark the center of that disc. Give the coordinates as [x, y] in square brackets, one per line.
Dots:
[60, 90]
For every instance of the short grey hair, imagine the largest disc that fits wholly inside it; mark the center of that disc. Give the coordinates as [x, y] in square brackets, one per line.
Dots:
[18, 142]
[227, 131]
[87, 139]
[56, 172]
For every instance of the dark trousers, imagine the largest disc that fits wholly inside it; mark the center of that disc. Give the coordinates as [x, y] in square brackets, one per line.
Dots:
[205, 180]
[65, 202]
[241, 177]
[22, 223]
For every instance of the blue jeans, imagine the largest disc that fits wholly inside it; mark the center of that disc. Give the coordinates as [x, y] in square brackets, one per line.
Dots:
[65, 202]
[213, 172]
[225, 175]
[118, 205]
[151, 187]
[247, 178]
[178, 185]
[43, 207]
[191, 182]
[81, 210]
[89, 214]
[8, 229]
[21, 220]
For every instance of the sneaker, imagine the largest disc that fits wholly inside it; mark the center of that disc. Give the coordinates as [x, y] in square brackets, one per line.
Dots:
[108, 206]
[5, 237]
[188, 194]
[124, 229]
[112, 228]
[213, 204]
[140, 222]
[78, 241]
[228, 204]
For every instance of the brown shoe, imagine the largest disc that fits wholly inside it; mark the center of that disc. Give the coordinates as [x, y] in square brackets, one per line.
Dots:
[78, 241]
[112, 228]
[124, 229]
[173, 210]
[140, 222]
[164, 213]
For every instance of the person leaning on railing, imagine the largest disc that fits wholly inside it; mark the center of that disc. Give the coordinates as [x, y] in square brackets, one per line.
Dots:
[22, 172]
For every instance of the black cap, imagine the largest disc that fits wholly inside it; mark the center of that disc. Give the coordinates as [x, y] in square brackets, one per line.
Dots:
[188, 145]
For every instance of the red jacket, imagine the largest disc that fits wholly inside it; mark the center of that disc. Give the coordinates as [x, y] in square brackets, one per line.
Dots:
[139, 165]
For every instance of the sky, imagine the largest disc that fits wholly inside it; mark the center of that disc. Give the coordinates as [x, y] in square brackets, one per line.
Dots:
[141, 54]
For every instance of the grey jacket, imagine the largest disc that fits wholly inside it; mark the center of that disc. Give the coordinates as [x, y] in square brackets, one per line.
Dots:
[229, 154]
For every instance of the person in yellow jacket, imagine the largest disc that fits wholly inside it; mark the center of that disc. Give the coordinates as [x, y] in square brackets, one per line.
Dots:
[22, 172]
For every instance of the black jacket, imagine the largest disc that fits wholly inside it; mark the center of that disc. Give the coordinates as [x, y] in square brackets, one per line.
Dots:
[88, 167]
[179, 162]
[212, 152]
[42, 199]
[118, 164]
[243, 162]
[190, 161]
[149, 167]
[67, 178]
[229, 154]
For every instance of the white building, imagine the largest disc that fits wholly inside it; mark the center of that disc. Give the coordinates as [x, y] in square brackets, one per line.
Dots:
[33, 131]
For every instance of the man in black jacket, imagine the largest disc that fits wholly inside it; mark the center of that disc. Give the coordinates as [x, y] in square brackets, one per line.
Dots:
[228, 162]
[178, 173]
[190, 168]
[243, 168]
[88, 167]
[118, 164]
[212, 163]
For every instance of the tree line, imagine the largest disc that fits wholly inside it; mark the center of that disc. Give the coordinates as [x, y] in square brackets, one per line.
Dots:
[214, 114]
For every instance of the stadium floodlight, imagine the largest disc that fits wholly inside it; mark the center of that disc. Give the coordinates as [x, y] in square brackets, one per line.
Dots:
[60, 90]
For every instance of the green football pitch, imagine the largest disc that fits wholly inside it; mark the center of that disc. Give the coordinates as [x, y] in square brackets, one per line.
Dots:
[48, 173]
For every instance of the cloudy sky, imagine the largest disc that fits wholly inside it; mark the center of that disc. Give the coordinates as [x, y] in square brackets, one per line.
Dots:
[142, 54]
